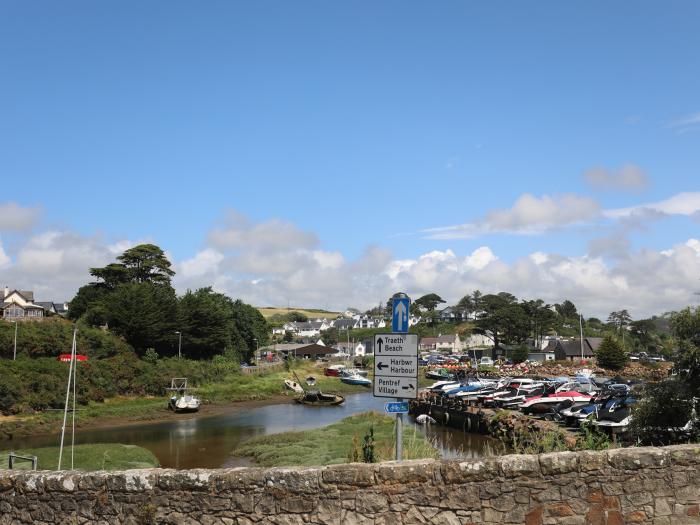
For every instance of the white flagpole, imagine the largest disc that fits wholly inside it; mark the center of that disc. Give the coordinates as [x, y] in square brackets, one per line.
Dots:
[65, 410]
[75, 380]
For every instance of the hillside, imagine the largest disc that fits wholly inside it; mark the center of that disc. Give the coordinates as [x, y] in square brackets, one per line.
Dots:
[268, 311]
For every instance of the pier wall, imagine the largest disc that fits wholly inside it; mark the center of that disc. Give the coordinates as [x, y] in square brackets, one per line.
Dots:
[634, 485]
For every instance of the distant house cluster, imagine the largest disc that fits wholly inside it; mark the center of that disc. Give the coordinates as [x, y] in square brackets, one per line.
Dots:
[20, 305]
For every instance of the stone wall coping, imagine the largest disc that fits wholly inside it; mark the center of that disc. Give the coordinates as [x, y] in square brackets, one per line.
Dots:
[310, 479]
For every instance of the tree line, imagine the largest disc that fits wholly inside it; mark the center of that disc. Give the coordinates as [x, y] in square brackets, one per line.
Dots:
[134, 298]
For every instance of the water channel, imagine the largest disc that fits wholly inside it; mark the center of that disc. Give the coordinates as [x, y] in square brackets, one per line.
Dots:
[207, 442]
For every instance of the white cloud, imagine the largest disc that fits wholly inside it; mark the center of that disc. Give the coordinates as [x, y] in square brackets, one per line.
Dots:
[528, 215]
[687, 203]
[628, 177]
[14, 217]
[5, 260]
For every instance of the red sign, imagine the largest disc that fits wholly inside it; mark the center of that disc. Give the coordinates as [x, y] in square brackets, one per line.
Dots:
[66, 357]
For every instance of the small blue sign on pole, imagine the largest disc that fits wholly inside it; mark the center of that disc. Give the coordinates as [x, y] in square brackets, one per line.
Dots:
[396, 408]
[400, 312]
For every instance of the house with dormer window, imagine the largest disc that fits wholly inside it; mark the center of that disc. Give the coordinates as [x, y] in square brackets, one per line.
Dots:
[20, 305]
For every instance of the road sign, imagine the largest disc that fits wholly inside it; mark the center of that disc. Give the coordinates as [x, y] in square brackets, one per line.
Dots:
[395, 344]
[403, 387]
[400, 311]
[396, 408]
[396, 365]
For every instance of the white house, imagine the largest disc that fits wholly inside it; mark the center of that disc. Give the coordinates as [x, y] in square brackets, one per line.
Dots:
[476, 341]
[20, 304]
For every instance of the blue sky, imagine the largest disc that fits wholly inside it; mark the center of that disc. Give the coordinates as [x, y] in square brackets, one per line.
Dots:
[360, 125]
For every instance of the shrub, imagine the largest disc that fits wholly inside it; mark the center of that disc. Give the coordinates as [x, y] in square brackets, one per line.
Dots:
[151, 356]
[520, 354]
[611, 354]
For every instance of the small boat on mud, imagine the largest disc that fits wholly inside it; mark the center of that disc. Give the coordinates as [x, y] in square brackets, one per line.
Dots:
[180, 400]
[318, 398]
[293, 385]
[334, 370]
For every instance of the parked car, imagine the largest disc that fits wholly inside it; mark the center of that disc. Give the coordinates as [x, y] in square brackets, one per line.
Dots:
[486, 361]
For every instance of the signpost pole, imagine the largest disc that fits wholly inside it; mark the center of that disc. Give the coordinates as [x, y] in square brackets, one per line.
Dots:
[399, 434]
[397, 315]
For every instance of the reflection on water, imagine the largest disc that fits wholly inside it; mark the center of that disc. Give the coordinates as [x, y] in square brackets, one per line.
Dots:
[207, 442]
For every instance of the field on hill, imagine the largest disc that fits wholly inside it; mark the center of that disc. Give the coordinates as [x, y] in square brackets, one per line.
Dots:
[310, 313]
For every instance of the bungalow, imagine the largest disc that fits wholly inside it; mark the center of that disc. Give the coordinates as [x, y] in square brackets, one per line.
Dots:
[451, 315]
[572, 350]
[442, 343]
[344, 324]
[366, 321]
[308, 328]
[20, 304]
[477, 341]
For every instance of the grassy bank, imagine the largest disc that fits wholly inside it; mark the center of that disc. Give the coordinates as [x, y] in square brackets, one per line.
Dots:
[104, 456]
[231, 388]
[340, 442]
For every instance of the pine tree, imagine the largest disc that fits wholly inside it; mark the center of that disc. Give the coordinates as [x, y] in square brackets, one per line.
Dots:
[611, 354]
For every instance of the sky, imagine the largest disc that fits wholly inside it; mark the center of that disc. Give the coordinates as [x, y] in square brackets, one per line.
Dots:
[328, 154]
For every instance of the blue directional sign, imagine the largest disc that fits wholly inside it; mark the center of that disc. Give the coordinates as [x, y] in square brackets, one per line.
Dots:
[396, 408]
[400, 313]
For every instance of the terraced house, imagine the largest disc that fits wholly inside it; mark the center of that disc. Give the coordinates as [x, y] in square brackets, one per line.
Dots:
[20, 305]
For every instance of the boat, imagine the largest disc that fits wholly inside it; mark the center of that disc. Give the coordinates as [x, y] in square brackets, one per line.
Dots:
[293, 385]
[311, 381]
[318, 398]
[439, 373]
[334, 370]
[180, 400]
[355, 379]
[425, 419]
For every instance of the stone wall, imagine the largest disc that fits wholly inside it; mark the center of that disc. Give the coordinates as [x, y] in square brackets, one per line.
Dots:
[637, 485]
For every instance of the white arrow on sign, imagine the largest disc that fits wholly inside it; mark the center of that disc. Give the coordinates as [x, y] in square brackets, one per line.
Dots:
[399, 365]
[398, 387]
[401, 313]
[396, 344]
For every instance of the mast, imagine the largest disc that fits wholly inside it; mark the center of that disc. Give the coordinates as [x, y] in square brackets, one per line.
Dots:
[580, 325]
[65, 410]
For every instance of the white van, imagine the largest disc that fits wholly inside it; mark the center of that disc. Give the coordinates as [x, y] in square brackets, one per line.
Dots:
[486, 361]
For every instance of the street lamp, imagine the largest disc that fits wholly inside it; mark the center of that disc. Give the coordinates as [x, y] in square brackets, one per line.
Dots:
[14, 356]
[179, 344]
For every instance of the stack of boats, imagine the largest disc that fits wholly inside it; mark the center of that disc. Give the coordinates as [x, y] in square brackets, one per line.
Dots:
[605, 403]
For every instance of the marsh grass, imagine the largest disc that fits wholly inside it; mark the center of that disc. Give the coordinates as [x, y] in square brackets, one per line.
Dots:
[102, 456]
[340, 442]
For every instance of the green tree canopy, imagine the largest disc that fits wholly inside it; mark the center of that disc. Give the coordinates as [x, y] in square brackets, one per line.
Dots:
[145, 263]
[610, 354]
[502, 319]
[429, 302]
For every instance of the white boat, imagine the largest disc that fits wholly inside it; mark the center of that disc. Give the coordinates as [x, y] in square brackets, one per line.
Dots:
[355, 379]
[180, 400]
[293, 385]
[185, 403]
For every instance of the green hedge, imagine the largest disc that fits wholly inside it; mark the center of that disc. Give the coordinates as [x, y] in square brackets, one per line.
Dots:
[37, 384]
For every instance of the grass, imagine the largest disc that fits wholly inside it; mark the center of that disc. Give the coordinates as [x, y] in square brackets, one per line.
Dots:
[340, 442]
[310, 313]
[103, 456]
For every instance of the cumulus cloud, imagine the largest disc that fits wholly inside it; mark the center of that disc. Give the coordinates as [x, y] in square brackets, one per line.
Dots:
[54, 264]
[14, 217]
[239, 232]
[528, 215]
[628, 177]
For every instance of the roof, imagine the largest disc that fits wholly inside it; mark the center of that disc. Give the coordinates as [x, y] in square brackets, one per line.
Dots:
[315, 349]
[572, 348]
[343, 323]
[428, 341]
[46, 305]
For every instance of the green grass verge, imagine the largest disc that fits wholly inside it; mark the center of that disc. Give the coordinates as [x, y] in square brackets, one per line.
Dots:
[103, 456]
[340, 442]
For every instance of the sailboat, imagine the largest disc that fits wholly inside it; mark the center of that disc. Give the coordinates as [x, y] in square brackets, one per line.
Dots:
[181, 401]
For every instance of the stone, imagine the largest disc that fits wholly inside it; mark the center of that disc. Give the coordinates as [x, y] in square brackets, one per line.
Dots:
[446, 518]
[519, 465]
[638, 516]
[559, 463]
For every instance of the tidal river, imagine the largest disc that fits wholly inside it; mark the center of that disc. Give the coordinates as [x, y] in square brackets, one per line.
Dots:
[207, 442]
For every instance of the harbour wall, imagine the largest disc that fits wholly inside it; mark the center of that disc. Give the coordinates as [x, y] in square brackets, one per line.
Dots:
[632, 485]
